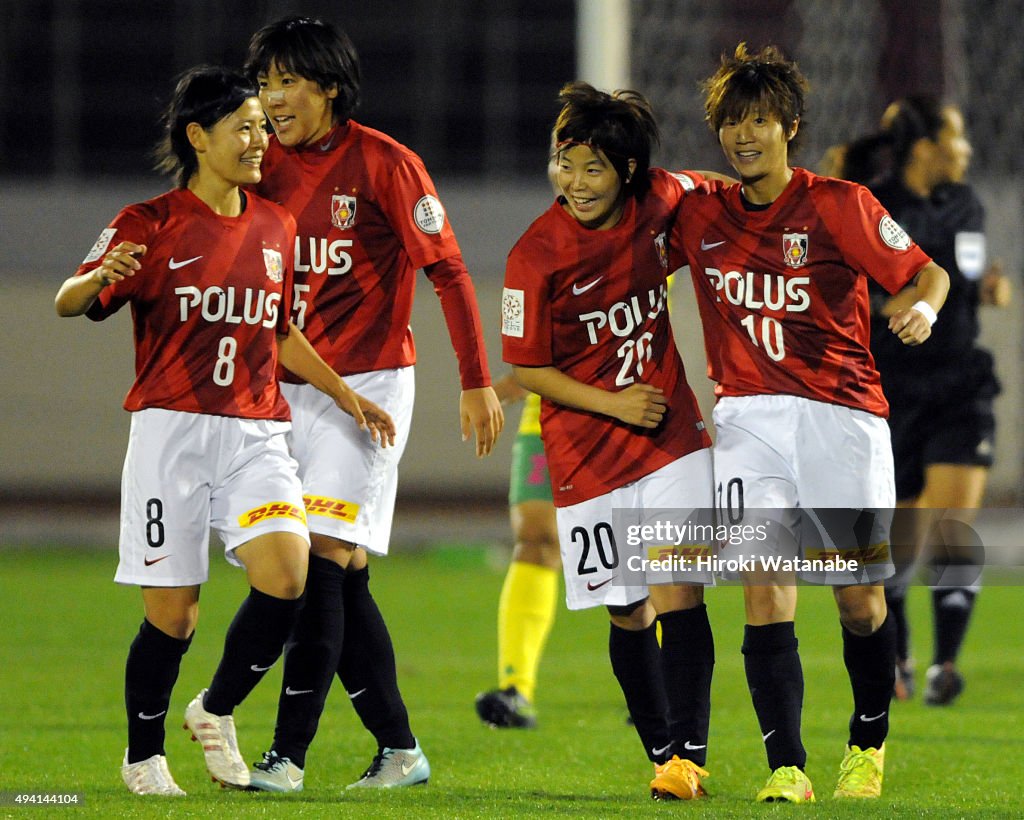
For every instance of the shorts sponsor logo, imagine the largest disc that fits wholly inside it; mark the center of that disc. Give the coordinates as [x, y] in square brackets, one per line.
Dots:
[874, 554]
[277, 509]
[794, 249]
[685, 552]
[343, 211]
[428, 214]
[513, 303]
[331, 508]
[100, 245]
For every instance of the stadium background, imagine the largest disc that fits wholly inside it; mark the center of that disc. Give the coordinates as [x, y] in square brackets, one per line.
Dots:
[471, 86]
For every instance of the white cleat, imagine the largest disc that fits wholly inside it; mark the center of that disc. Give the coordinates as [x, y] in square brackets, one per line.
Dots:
[220, 746]
[275, 774]
[150, 776]
[395, 767]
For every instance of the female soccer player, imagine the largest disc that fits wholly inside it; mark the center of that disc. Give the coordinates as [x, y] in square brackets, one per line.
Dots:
[585, 325]
[206, 269]
[780, 264]
[940, 396]
[368, 216]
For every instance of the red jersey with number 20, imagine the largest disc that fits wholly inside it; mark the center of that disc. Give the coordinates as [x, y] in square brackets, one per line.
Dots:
[368, 216]
[783, 292]
[594, 305]
[211, 295]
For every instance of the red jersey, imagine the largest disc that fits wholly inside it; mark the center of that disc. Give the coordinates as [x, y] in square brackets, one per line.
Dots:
[593, 304]
[783, 291]
[212, 294]
[368, 216]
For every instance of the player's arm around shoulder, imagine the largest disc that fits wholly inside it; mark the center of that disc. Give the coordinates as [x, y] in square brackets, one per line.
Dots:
[642, 405]
[913, 323]
[297, 355]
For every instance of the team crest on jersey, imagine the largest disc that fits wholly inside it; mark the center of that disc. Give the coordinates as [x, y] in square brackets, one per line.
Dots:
[659, 245]
[274, 264]
[794, 249]
[343, 211]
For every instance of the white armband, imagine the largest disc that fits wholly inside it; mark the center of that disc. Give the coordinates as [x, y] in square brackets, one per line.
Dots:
[925, 310]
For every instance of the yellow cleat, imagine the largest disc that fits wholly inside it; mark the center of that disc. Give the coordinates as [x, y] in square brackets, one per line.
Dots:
[860, 773]
[787, 784]
[677, 779]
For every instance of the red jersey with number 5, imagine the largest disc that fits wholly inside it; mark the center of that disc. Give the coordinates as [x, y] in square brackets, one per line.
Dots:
[368, 216]
[783, 292]
[212, 294]
[594, 305]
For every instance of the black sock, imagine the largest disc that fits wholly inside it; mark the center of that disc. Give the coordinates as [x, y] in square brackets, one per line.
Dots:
[310, 659]
[367, 667]
[687, 663]
[896, 602]
[871, 664]
[253, 643]
[636, 662]
[776, 682]
[951, 608]
[152, 668]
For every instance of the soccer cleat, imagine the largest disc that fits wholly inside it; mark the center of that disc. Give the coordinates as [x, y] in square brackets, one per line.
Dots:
[275, 774]
[395, 767]
[150, 776]
[860, 773]
[506, 709]
[904, 687]
[787, 784]
[677, 779]
[943, 685]
[220, 746]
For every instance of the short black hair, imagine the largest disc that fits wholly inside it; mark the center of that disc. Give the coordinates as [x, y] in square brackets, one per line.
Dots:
[313, 49]
[204, 94]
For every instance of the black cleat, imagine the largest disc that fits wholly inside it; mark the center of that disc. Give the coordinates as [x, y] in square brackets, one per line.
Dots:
[943, 685]
[506, 709]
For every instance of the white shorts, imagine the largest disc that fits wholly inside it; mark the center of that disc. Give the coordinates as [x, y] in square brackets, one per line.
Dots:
[185, 473]
[818, 475]
[350, 482]
[596, 557]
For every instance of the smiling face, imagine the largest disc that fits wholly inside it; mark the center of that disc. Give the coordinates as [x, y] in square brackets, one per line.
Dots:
[591, 186]
[757, 146]
[299, 109]
[233, 147]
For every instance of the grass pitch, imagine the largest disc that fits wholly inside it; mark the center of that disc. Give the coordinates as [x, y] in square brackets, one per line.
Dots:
[67, 627]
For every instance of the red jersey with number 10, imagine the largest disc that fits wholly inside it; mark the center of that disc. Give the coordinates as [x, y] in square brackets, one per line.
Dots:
[368, 216]
[211, 296]
[783, 292]
[594, 305]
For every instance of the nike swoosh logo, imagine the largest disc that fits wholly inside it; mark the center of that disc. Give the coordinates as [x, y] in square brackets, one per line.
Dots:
[256, 668]
[867, 719]
[354, 695]
[174, 264]
[408, 768]
[327, 146]
[289, 691]
[152, 717]
[693, 748]
[706, 246]
[578, 289]
[148, 562]
[662, 750]
[592, 586]
[765, 737]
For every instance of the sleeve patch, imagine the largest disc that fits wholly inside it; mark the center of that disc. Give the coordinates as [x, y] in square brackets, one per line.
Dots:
[428, 214]
[512, 310]
[100, 246]
[684, 180]
[893, 235]
[969, 247]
